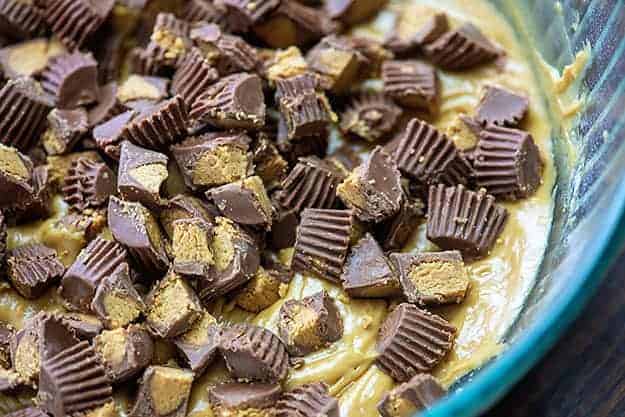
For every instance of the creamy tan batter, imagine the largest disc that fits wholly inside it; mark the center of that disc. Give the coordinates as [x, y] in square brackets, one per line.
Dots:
[499, 283]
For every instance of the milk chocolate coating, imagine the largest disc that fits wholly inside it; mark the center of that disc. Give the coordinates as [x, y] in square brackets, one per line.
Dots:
[283, 228]
[501, 107]
[107, 105]
[309, 400]
[461, 49]
[236, 396]
[32, 269]
[193, 76]
[108, 135]
[184, 206]
[367, 272]
[227, 53]
[413, 84]
[243, 203]
[124, 352]
[242, 14]
[88, 185]
[72, 79]
[202, 10]
[353, 11]
[199, 345]
[74, 21]
[396, 232]
[141, 175]
[169, 41]
[16, 174]
[163, 392]
[86, 327]
[37, 205]
[421, 392]
[370, 116]
[65, 129]
[20, 20]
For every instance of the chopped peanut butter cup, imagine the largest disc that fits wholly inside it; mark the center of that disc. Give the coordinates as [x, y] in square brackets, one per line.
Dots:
[245, 202]
[413, 84]
[16, 175]
[412, 341]
[370, 116]
[65, 129]
[142, 174]
[193, 76]
[235, 398]
[462, 49]
[199, 344]
[501, 107]
[309, 400]
[266, 287]
[269, 164]
[338, 63]
[204, 10]
[322, 242]
[163, 392]
[88, 185]
[311, 183]
[74, 21]
[19, 19]
[32, 269]
[124, 352]
[254, 353]
[243, 14]
[85, 326]
[169, 41]
[143, 87]
[420, 393]
[72, 79]
[465, 220]
[185, 206]
[397, 231]
[353, 11]
[108, 135]
[229, 54]
[191, 247]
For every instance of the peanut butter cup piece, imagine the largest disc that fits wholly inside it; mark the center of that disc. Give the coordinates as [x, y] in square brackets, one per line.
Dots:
[88, 185]
[198, 345]
[85, 326]
[107, 106]
[269, 164]
[74, 21]
[353, 11]
[413, 84]
[73, 381]
[234, 102]
[65, 129]
[72, 79]
[322, 242]
[143, 87]
[465, 220]
[264, 289]
[28, 412]
[310, 324]
[169, 41]
[10, 382]
[109, 134]
[144, 62]
[142, 173]
[367, 272]
[163, 392]
[283, 227]
[194, 76]
[507, 163]
[373, 190]
[432, 278]
[124, 352]
[204, 10]
[309, 400]
[253, 353]
[37, 205]
[136, 227]
[461, 49]
[501, 107]
[338, 63]
[191, 247]
[28, 58]
[293, 150]
[173, 307]
[428, 156]
[24, 107]
[370, 116]
[158, 127]
[312, 183]
[397, 231]
[420, 393]
[229, 54]
[116, 301]
[236, 257]
[16, 174]
[7, 333]
[98, 260]
[285, 63]
[464, 132]
[236, 398]
[19, 19]
[184, 206]
[412, 341]
[245, 202]
[213, 159]
[243, 14]
[32, 269]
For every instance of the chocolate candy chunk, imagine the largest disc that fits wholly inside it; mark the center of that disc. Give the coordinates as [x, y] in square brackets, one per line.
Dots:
[191, 247]
[158, 127]
[464, 132]
[397, 231]
[242, 14]
[322, 242]
[465, 220]
[373, 190]
[73, 381]
[236, 258]
[432, 278]
[135, 227]
[430, 27]
[234, 102]
[367, 272]
[428, 156]
[269, 164]
[461, 49]
[74, 21]
[16, 173]
[235, 398]
[345, 158]
[10, 381]
[169, 41]
[108, 135]
[116, 301]
[173, 307]
[246, 202]
[285, 63]
[264, 289]
[309, 400]
[28, 58]
[124, 352]
[7, 333]
[213, 159]
[305, 110]
[32, 269]
[28, 412]
[142, 174]
[203, 10]
[72, 79]
[199, 344]
[163, 392]
[37, 205]
[337, 61]
[20, 19]
[65, 129]
[107, 105]
[507, 163]
[28, 106]
[283, 227]
[420, 393]
[501, 107]
[254, 353]
[184, 206]
[193, 76]
[353, 11]
[309, 324]
[88, 185]
[292, 150]
[293, 23]
[98, 260]
[143, 87]
[413, 84]
[370, 117]
[312, 183]
[85, 326]
[412, 341]
[227, 53]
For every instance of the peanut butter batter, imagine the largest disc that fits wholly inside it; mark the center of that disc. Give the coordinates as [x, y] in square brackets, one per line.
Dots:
[498, 284]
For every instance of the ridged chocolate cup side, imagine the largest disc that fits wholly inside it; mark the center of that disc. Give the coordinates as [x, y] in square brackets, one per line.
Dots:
[74, 21]
[412, 83]
[421, 392]
[203, 10]
[461, 49]
[72, 79]
[21, 20]
[465, 220]
[310, 184]
[501, 107]
[194, 75]
[309, 400]
[370, 116]
[32, 269]
[322, 242]
[88, 184]
[169, 41]
[242, 14]
[413, 341]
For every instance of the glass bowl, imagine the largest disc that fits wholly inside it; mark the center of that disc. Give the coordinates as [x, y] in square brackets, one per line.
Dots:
[589, 220]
